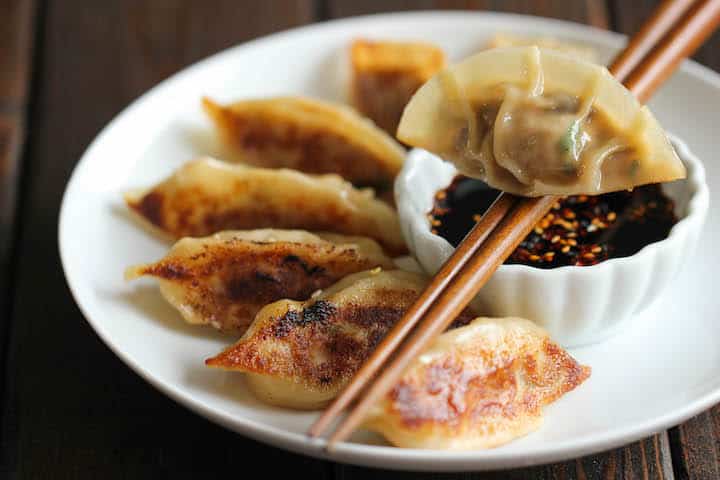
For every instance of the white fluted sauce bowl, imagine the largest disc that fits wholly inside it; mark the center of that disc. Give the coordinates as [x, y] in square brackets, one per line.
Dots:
[577, 305]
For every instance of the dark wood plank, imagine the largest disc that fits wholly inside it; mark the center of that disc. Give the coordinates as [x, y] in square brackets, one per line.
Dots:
[16, 49]
[72, 409]
[17, 35]
[649, 458]
[696, 446]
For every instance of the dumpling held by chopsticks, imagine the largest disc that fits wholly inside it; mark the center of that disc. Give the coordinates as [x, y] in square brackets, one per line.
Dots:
[536, 122]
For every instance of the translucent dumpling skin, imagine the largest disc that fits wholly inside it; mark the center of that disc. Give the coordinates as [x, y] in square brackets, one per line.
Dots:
[536, 122]
[505, 40]
[478, 386]
[225, 279]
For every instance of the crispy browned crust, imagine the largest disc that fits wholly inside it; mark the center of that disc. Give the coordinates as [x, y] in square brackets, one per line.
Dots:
[387, 74]
[326, 342]
[180, 214]
[191, 208]
[273, 141]
[448, 396]
[226, 285]
[313, 333]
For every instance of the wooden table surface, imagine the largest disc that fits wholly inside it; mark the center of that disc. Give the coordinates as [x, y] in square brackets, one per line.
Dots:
[70, 408]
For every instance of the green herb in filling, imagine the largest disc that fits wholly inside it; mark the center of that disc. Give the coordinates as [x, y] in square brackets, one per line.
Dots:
[568, 148]
[568, 140]
[634, 167]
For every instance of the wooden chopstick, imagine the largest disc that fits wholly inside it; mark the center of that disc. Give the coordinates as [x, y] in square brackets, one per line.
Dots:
[663, 18]
[666, 15]
[475, 272]
[652, 31]
[700, 22]
[439, 282]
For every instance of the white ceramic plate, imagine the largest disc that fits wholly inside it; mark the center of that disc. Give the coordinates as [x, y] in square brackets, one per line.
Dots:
[663, 370]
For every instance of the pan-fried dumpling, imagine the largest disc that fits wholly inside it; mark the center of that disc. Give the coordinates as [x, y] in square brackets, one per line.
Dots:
[537, 122]
[385, 75]
[504, 40]
[477, 386]
[301, 354]
[207, 196]
[310, 136]
[225, 279]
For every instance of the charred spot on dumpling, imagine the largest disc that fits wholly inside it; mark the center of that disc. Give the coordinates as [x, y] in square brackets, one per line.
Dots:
[309, 269]
[338, 351]
[319, 312]
[150, 206]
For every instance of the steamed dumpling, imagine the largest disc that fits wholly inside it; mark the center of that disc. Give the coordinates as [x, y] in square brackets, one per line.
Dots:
[504, 40]
[225, 279]
[308, 135]
[536, 122]
[301, 354]
[477, 386]
[206, 196]
[386, 74]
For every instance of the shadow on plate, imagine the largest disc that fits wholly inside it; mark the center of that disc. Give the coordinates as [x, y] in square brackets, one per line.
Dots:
[122, 212]
[203, 142]
[148, 300]
[231, 386]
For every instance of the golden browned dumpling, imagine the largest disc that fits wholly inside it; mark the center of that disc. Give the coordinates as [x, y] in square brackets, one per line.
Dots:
[310, 136]
[536, 122]
[477, 386]
[207, 196]
[504, 40]
[301, 354]
[225, 279]
[385, 75]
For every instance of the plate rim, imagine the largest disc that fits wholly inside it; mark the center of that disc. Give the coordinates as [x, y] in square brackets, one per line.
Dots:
[355, 453]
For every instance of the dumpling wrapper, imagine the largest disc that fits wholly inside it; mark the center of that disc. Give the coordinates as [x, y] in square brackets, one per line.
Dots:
[308, 135]
[504, 40]
[301, 354]
[206, 196]
[478, 386]
[536, 122]
[225, 279]
[386, 74]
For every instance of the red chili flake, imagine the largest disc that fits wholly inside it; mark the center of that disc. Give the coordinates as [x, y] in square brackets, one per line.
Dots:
[579, 230]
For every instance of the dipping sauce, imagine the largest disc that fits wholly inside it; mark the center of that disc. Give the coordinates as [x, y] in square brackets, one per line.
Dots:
[579, 230]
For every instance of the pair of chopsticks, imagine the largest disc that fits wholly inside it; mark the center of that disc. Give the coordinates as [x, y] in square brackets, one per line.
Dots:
[652, 55]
